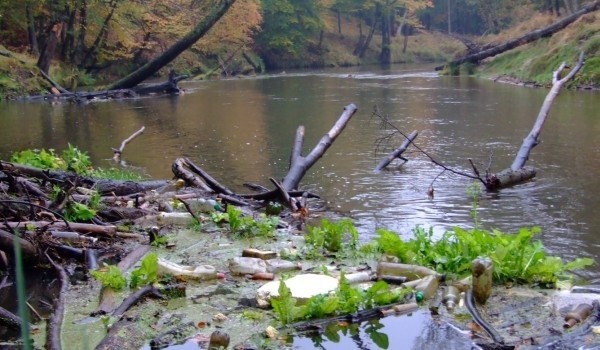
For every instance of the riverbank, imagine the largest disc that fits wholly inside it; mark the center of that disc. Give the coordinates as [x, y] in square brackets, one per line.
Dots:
[533, 64]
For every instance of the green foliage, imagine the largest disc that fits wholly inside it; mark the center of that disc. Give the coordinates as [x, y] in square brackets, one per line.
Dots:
[75, 211]
[516, 257]
[333, 237]
[344, 300]
[76, 160]
[115, 174]
[43, 159]
[147, 273]
[284, 304]
[112, 277]
[71, 159]
[246, 226]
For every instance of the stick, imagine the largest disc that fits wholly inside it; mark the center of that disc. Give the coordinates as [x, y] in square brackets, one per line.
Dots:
[117, 152]
[54, 325]
[397, 153]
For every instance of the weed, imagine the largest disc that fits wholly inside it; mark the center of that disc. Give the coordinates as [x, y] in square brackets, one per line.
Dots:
[147, 273]
[111, 277]
[253, 315]
[246, 226]
[334, 237]
[75, 211]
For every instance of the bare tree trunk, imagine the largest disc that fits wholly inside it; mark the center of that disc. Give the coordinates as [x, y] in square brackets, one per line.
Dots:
[532, 139]
[50, 47]
[172, 52]
[367, 42]
[79, 49]
[31, 35]
[300, 164]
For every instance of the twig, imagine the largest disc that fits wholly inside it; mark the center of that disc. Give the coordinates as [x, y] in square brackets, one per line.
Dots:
[38, 206]
[433, 160]
[189, 210]
[134, 298]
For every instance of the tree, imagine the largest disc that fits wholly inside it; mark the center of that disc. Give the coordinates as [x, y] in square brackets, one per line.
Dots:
[289, 29]
[172, 52]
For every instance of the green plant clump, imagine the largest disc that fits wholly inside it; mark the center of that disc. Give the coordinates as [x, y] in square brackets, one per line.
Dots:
[344, 300]
[516, 257]
[112, 277]
[71, 159]
[147, 273]
[247, 226]
[333, 237]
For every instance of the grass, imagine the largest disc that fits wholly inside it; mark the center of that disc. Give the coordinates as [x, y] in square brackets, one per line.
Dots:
[536, 61]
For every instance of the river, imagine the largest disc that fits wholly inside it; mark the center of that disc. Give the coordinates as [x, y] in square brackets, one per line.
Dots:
[241, 130]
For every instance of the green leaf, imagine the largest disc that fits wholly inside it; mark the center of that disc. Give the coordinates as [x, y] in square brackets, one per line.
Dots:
[112, 277]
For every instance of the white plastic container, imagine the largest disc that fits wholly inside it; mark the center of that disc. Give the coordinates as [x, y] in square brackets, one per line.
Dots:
[247, 266]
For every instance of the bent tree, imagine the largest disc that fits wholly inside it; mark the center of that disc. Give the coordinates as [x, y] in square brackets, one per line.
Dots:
[147, 70]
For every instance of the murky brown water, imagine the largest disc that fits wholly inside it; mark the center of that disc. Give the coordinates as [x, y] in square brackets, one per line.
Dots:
[241, 130]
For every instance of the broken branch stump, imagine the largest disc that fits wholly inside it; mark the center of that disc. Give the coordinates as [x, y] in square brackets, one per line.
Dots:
[397, 153]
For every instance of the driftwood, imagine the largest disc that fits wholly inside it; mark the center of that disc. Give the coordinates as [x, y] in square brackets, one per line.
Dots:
[117, 152]
[397, 153]
[533, 138]
[517, 173]
[299, 164]
[107, 295]
[526, 38]
[168, 87]
[193, 175]
[134, 298]
[55, 323]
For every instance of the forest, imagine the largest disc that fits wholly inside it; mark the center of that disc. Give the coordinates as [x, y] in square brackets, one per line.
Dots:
[92, 42]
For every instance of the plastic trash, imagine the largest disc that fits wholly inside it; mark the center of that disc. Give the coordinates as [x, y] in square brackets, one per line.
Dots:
[200, 272]
[247, 266]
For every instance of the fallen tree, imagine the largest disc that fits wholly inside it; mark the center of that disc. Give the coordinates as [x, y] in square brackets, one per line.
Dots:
[518, 173]
[524, 39]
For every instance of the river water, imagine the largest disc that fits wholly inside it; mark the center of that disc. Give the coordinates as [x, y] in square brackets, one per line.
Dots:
[241, 130]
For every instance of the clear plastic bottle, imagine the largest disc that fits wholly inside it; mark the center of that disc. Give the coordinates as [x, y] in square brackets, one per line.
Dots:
[578, 315]
[451, 297]
[411, 272]
[247, 266]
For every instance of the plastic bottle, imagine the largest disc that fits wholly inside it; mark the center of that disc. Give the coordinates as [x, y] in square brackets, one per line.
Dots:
[280, 265]
[358, 277]
[482, 270]
[411, 272]
[451, 297]
[398, 280]
[201, 272]
[428, 286]
[577, 315]
[203, 205]
[247, 266]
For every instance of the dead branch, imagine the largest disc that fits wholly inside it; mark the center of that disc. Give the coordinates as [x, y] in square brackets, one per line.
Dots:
[210, 181]
[397, 153]
[180, 171]
[285, 197]
[118, 152]
[134, 298]
[532, 139]
[10, 320]
[107, 231]
[54, 325]
[299, 164]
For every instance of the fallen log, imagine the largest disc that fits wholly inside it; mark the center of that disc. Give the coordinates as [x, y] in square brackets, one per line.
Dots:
[397, 153]
[299, 164]
[168, 87]
[7, 239]
[532, 139]
[524, 39]
[518, 173]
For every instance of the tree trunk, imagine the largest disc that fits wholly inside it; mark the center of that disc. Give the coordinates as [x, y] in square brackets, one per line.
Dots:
[172, 52]
[527, 38]
[92, 53]
[385, 57]
[69, 32]
[50, 47]
[367, 42]
[300, 164]
[532, 139]
[79, 47]
[339, 23]
[31, 35]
